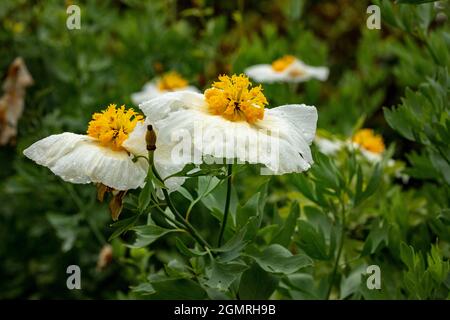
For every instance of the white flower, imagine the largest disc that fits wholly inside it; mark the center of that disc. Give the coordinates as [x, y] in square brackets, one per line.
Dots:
[229, 121]
[109, 154]
[328, 146]
[168, 82]
[286, 69]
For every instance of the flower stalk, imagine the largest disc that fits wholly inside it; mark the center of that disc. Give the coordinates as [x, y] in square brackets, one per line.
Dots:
[227, 204]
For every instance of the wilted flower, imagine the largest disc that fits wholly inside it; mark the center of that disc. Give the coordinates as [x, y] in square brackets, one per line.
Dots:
[168, 82]
[286, 69]
[12, 101]
[105, 257]
[229, 121]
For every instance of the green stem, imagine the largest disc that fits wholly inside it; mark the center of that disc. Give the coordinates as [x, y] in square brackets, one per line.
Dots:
[172, 208]
[191, 206]
[187, 225]
[227, 205]
[338, 257]
[174, 221]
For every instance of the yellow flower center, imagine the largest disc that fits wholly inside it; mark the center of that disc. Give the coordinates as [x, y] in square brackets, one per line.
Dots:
[112, 126]
[235, 99]
[281, 64]
[171, 81]
[370, 141]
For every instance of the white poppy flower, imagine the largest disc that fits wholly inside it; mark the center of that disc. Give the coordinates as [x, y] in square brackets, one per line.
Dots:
[108, 154]
[168, 82]
[229, 121]
[328, 146]
[286, 69]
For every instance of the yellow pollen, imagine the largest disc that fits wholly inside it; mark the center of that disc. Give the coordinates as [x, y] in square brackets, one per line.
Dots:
[171, 81]
[370, 141]
[235, 99]
[282, 63]
[112, 126]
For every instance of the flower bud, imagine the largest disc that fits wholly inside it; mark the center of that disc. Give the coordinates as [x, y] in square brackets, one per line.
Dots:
[150, 138]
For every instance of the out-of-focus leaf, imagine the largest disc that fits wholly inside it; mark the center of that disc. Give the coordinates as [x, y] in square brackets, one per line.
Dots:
[277, 259]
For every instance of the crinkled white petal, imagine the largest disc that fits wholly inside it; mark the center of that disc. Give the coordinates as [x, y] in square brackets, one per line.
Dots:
[80, 159]
[280, 141]
[160, 107]
[151, 90]
[295, 73]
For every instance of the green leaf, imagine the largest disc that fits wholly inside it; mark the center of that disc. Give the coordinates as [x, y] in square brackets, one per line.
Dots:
[207, 184]
[284, 235]
[257, 284]
[312, 241]
[185, 193]
[146, 235]
[254, 207]
[373, 183]
[233, 248]
[122, 226]
[277, 259]
[144, 288]
[378, 236]
[223, 274]
[186, 251]
[177, 289]
[301, 286]
[145, 196]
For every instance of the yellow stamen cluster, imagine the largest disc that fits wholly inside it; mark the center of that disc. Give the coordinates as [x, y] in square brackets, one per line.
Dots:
[282, 63]
[370, 141]
[171, 81]
[112, 126]
[235, 99]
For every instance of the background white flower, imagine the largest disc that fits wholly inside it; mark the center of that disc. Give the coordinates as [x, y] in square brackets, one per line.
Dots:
[168, 82]
[286, 69]
[328, 146]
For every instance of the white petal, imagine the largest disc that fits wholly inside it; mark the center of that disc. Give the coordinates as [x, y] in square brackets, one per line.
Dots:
[149, 91]
[371, 156]
[135, 143]
[167, 167]
[327, 146]
[80, 159]
[319, 73]
[296, 72]
[158, 108]
[297, 129]
[264, 73]
[289, 128]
